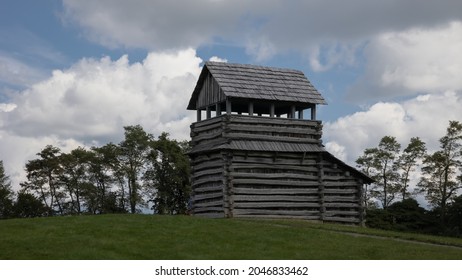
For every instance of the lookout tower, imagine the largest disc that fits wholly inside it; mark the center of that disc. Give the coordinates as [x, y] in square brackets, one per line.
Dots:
[257, 149]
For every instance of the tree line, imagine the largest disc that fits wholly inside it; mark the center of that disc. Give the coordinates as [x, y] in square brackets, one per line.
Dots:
[389, 202]
[140, 172]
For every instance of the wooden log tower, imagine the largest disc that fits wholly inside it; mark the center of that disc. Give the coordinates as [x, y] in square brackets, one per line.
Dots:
[255, 154]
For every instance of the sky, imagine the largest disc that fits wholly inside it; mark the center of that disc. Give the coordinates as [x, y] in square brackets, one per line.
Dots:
[74, 72]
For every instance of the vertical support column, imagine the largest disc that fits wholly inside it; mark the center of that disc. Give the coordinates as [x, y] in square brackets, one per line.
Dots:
[300, 114]
[209, 112]
[313, 112]
[228, 107]
[362, 206]
[250, 108]
[199, 115]
[322, 208]
[272, 109]
[218, 109]
[292, 112]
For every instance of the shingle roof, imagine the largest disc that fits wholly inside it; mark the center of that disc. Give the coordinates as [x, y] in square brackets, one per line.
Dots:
[258, 82]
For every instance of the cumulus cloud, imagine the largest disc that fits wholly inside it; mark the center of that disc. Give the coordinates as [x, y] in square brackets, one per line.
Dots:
[415, 60]
[264, 28]
[90, 102]
[426, 116]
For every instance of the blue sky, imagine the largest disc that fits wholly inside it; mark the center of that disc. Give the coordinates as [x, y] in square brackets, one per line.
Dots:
[73, 73]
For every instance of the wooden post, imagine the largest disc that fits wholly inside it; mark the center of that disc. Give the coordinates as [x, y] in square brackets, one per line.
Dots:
[272, 109]
[209, 112]
[218, 109]
[300, 114]
[292, 112]
[322, 209]
[228, 107]
[199, 115]
[250, 108]
[313, 112]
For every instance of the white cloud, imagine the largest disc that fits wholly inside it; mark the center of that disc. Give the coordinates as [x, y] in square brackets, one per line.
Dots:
[425, 116]
[263, 27]
[16, 73]
[218, 59]
[416, 60]
[89, 103]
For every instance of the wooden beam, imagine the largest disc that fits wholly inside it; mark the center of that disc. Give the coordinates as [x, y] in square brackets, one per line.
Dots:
[199, 115]
[218, 109]
[209, 112]
[313, 112]
[292, 112]
[228, 107]
[300, 114]
[272, 110]
[250, 108]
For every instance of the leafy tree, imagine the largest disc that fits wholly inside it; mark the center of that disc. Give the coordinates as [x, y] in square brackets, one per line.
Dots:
[74, 176]
[454, 217]
[28, 206]
[6, 194]
[134, 150]
[104, 172]
[168, 180]
[380, 164]
[43, 178]
[439, 179]
[407, 162]
[367, 163]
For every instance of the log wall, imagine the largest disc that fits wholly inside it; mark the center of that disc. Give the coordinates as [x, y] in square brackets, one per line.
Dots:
[245, 166]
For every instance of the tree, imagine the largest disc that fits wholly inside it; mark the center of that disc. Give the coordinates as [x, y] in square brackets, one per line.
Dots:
[407, 162]
[6, 194]
[74, 177]
[367, 163]
[134, 150]
[28, 206]
[43, 178]
[439, 180]
[380, 164]
[168, 180]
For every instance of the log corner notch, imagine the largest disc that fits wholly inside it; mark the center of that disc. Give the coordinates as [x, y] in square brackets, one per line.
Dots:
[257, 156]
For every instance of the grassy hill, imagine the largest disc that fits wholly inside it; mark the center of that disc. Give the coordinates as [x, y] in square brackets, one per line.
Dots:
[183, 237]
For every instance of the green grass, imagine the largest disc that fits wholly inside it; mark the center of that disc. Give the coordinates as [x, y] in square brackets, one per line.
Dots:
[183, 237]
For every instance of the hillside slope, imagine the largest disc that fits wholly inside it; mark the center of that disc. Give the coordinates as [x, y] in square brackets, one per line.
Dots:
[183, 237]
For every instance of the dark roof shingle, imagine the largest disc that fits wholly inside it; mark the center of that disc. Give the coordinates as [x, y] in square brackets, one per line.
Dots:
[259, 82]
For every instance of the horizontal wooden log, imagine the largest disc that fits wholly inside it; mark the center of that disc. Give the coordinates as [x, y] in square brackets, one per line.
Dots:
[207, 122]
[209, 204]
[340, 191]
[207, 180]
[199, 197]
[207, 165]
[273, 160]
[341, 198]
[275, 205]
[341, 213]
[207, 172]
[341, 184]
[275, 212]
[302, 131]
[269, 198]
[212, 188]
[273, 121]
[256, 166]
[206, 136]
[274, 182]
[277, 217]
[236, 175]
[341, 205]
[242, 190]
[261, 137]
